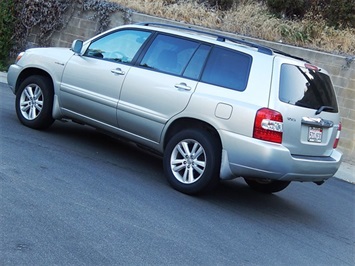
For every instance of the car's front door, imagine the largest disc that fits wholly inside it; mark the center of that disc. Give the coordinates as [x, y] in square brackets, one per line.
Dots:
[160, 86]
[92, 82]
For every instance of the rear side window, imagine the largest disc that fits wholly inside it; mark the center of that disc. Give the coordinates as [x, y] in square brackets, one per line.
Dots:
[306, 88]
[194, 68]
[169, 54]
[227, 68]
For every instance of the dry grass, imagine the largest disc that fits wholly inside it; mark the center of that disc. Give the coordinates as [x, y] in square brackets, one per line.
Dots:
[251, 19]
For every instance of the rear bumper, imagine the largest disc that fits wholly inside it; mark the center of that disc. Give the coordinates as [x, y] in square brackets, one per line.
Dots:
[248, 157]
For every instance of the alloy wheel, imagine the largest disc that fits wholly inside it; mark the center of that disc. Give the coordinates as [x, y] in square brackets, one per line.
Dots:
[188, 161]
[31, 102]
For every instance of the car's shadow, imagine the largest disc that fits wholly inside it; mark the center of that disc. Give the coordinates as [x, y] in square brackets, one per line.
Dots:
[234, 195]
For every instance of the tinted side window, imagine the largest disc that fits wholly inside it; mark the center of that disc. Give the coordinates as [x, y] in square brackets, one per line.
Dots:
[119, 46]
[307, 88]
[227, 68]
[194, 68]
[169, 54]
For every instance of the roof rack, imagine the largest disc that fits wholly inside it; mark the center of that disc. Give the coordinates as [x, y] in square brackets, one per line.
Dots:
[261, 48]
[221, 38]
[290, 55]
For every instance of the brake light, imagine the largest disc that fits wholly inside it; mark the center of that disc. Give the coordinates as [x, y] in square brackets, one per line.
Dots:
[336, 141]
[311, 67]
[268, 125]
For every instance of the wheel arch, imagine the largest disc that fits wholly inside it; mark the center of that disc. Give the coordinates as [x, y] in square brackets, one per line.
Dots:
[189, 123]
[30, 72]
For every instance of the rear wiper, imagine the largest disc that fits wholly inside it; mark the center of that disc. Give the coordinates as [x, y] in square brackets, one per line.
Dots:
[324, 108]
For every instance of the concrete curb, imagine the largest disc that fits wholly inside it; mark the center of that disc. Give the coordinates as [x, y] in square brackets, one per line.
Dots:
[346, 171]
[3, 77]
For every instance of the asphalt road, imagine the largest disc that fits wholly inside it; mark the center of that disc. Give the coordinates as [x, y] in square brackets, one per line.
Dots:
[72, 196]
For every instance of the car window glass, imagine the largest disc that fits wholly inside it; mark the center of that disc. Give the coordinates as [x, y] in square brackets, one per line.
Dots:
[194, 68]
[227, 68]
[306, 88]
[119, 46]
[169, 54]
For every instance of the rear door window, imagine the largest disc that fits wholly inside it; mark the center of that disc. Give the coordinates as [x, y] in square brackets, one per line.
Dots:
[307, 88]
[194, 68]
[227, 68]
[169, 54]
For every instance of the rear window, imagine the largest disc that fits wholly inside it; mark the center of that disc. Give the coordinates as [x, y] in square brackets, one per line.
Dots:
[307, 88]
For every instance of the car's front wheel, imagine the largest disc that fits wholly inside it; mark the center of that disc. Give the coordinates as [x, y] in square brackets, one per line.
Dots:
[267, 186]
[34, 102]
[192, 161]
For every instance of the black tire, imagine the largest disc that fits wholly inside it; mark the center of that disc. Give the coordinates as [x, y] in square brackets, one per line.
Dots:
[203, 168]
[268, 187]
[34, 102]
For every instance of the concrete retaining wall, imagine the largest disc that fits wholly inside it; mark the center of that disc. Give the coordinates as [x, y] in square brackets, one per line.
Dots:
[342, 69]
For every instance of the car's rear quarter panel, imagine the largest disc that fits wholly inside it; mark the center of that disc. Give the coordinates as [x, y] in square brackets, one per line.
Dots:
[207, 99]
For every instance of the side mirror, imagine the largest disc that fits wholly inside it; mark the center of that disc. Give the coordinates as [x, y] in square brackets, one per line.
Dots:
[76, 46]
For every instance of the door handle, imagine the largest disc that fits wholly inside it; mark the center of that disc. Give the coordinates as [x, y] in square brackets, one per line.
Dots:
[183, 86]
[117, 71]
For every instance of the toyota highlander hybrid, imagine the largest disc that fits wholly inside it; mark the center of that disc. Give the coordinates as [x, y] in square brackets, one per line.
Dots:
[213, 106]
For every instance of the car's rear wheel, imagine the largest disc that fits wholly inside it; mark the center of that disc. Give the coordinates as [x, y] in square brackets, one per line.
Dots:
[192, 161]
[34, 102]
[267, 186]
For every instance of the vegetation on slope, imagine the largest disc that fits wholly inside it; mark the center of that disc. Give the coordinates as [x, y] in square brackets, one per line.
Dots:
[327, 25]
[256, 18]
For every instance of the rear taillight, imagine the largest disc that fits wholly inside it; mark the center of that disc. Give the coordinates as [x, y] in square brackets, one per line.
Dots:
[268, 125]
[336, 141]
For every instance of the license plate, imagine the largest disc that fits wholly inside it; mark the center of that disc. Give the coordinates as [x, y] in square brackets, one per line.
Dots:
[315, 134]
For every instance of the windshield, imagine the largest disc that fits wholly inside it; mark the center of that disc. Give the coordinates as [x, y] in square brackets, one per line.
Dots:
[307, 88]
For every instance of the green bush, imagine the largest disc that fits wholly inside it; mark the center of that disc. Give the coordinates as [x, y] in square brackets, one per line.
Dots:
[339, 13]
[288, 8]
[7, 23]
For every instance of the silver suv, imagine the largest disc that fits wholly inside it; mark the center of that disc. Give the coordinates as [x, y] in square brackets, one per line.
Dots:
[215, 107]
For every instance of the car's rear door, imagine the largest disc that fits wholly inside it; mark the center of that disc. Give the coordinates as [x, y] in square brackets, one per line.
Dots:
[305, 97]
[160, 85]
